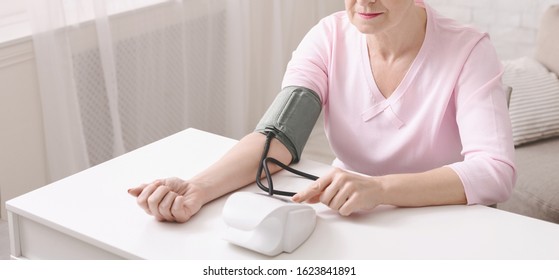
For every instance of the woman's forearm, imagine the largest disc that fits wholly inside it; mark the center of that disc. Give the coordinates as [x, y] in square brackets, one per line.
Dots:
[348, 192]
[435, 187]
[238, 167]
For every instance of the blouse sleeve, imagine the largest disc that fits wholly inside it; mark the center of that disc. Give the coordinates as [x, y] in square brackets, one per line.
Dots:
[308, 66]
[487, 172]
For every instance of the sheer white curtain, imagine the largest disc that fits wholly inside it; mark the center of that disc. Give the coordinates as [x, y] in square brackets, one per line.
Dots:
[118, 74]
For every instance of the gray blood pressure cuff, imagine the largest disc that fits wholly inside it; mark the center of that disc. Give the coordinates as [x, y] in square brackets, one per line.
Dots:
[291, 117]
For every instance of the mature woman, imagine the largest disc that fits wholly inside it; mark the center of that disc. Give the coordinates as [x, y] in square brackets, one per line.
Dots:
[414, 111]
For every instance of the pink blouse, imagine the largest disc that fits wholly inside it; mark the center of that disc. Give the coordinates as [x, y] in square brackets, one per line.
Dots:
[449, 110]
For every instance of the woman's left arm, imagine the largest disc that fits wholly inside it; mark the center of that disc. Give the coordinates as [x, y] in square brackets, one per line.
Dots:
[348, 192]
[487, 172]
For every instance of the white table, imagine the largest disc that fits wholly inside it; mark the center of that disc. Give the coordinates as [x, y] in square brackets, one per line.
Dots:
[91, 216]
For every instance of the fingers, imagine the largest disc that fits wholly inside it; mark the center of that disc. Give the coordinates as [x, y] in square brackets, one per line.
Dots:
[155, 200]
[145, 194]
[342, 191]
[309, 194]
[137, 190]
[329, 193]
[162, 201]
[165, 206]
[337, 198]
[313, 192]
[347, 208]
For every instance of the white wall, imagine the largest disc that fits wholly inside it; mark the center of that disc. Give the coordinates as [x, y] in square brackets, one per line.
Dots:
[512, 24]
[22, 155]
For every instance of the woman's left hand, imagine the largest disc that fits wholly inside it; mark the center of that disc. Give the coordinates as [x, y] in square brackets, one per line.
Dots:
[343, 191]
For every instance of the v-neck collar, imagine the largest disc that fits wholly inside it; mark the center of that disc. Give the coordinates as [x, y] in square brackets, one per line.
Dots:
[382, 103]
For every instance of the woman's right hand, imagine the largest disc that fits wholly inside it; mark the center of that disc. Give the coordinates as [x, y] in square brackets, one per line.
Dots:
[170, 199]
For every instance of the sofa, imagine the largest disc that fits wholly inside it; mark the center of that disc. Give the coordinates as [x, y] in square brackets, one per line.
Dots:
[534, 109]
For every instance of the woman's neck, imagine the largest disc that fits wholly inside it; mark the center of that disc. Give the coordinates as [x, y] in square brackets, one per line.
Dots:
[406, 38]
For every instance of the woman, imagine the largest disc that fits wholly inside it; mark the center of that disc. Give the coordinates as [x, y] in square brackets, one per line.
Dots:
[413, 104]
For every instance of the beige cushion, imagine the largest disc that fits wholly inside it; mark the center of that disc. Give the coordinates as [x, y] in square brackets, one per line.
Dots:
[536, 193]
[548, 40]
[534, 103]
